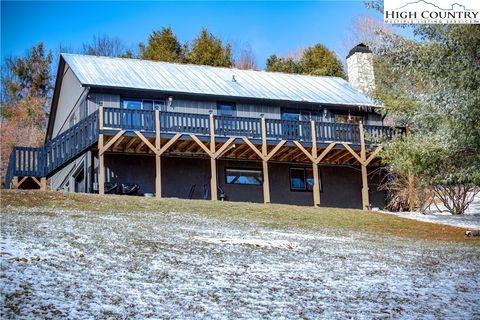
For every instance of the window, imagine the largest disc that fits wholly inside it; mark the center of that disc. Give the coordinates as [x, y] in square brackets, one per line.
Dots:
[132, 104]
[143, 104]
[244, 176]
[226, 108]
[301, 179]
[290, 116]
[346, 118]
[299, 114]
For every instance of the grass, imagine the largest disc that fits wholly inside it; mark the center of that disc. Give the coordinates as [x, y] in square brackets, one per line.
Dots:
[272, 215]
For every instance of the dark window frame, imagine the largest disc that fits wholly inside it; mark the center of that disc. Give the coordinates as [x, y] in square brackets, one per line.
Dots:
[141, 100]
[306, 189]
[227, 103]
[243, 184]
[316, 115]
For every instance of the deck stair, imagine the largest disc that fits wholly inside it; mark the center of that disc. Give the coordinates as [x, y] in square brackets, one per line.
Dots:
[45, 161]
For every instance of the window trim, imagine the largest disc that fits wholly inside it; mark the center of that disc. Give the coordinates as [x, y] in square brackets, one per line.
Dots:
[245, 169]
[305, 177]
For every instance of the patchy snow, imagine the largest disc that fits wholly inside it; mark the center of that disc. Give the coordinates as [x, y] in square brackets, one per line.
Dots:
[256, 243]
[58, 263]
[470, 220]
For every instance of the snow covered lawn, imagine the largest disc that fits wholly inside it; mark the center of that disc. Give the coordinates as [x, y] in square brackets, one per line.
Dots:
[58, 263]
[469, 220]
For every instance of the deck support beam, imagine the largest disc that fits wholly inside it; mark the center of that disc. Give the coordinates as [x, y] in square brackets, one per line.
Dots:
[101, 164]
[158, 160]
[363, 156]
[266, 180]
[316, 180]
[43, 184]
[265, 156]
[14, 184]
[315, 159]
[213, 161]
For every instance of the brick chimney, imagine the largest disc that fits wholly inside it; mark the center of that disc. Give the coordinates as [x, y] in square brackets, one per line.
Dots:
[360, 68]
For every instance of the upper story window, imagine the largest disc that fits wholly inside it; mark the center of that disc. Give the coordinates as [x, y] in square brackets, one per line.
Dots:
[348, 118]
[303, 115]
[226, 109]
[138, 104]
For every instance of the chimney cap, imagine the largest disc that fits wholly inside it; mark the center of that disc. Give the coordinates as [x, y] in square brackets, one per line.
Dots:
[361, 47]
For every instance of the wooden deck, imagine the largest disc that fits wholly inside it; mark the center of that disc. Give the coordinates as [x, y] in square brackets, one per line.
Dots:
[194, 135]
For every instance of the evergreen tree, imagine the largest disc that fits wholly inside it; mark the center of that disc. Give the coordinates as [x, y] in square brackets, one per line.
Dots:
[209, 50]
[287, 65]
[316, 60]
[320, 61]
[163, 45]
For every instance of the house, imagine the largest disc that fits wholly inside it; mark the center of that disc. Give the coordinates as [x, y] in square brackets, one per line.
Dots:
[204, 132]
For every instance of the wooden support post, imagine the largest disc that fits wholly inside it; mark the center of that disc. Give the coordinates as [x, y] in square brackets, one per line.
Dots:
[158, 163]
[363, 157]
[43, 184]
[213, 162]
[266, 181]
[316, 180]
[15, 183]
[101, 165]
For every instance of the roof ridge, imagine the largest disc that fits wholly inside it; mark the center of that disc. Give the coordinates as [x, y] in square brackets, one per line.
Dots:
[199, 65]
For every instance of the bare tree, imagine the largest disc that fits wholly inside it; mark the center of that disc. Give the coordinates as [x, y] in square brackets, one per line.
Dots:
[367, 30]
[455, 198]
[295, 55]
[105, 46]
[246, 59]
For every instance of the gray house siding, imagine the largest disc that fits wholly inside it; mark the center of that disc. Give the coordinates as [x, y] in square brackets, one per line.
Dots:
[341, 185]
[72, 95]
[65, 179]
[250, 110]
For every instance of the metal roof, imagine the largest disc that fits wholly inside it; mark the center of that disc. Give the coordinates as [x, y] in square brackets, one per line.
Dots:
[206, 80]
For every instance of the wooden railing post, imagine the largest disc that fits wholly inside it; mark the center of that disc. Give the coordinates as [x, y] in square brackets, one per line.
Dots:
[316, 180]
[158, 163]
[266, 182]
[101, 165]
[213, 161]
[363, 157]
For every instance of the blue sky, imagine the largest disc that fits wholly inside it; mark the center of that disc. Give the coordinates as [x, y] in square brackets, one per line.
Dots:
[268, 27]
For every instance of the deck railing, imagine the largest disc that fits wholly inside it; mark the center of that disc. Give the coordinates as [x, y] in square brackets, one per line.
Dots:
[170, 122]
[57, 152]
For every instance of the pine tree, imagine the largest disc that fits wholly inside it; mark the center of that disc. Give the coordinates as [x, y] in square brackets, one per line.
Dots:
[209, 50]
[316, 60]
[320, 61]
[163, 45]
